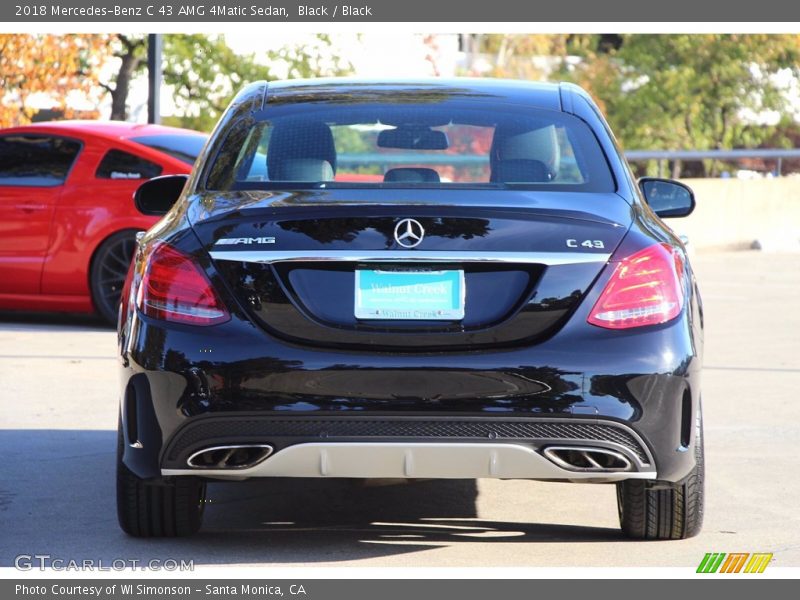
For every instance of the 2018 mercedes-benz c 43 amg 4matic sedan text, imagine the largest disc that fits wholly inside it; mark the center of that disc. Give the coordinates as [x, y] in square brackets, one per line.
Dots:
[431, 279]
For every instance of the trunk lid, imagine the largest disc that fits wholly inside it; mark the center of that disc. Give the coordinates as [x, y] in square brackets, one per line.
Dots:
[290, 259]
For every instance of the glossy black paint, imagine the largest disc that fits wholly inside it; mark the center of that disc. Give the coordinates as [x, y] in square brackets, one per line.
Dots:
[506, 304]
[285, 352]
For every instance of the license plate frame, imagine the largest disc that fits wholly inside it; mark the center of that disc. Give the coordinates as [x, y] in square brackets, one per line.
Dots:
[409, 295]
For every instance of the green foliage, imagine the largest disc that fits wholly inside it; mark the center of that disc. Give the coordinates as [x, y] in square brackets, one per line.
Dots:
[351, 140]
[671, 92]
[205, 73]
[698, 91]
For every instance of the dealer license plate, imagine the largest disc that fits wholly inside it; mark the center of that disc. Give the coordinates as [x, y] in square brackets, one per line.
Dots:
[409, 295]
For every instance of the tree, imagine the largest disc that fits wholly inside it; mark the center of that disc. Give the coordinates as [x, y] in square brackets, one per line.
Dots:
[62, 68]
[691, 91]
[517, 56]
[666, 92]
[131, 51]
[205, 73]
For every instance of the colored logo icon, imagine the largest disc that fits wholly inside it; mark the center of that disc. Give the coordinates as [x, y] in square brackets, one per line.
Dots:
[734, 562]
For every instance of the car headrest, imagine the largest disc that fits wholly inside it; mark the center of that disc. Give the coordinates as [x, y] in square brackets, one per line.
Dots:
[411, 175]
[514, 143]
[305, 169]
[293, 141]
[518, 170]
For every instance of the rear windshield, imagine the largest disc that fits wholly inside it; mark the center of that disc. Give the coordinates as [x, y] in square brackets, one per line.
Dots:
[185, 147]
[303, 146]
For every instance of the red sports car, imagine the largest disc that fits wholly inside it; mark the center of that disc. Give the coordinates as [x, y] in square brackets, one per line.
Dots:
[67, 218]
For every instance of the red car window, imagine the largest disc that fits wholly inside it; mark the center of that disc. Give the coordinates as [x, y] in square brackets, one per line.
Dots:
[36, 160]
[118, 164]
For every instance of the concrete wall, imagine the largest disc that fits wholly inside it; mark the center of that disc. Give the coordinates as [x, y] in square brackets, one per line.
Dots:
[736, 212]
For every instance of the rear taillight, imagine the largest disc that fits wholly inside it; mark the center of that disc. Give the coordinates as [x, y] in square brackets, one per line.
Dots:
[174, 288]
[646, 288]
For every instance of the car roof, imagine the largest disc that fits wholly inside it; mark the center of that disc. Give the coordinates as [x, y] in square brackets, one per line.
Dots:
[532, 93]
[106, 129]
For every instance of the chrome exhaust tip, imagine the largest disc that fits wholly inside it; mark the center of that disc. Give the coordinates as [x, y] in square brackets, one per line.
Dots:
[229, 457]
[576, 458]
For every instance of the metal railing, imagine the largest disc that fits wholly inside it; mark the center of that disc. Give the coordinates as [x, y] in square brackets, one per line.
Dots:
[776, 154]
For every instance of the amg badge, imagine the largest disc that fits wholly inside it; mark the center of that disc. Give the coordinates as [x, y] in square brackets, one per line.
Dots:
[245, 240]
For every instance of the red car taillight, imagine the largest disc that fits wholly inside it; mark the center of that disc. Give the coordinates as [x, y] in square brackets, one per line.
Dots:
[646, 288]
[174, 288]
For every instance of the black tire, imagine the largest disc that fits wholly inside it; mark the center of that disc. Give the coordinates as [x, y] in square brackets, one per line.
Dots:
[663, 510]
[168, 508]
[109, 269]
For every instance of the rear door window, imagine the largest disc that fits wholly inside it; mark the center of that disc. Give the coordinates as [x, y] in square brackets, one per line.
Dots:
[36, 160]
[118, 164]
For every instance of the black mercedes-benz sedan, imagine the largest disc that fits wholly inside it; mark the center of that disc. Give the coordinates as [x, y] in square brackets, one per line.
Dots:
[446, 278]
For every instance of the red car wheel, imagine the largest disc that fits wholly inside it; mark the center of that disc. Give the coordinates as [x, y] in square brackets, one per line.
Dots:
[109, 268]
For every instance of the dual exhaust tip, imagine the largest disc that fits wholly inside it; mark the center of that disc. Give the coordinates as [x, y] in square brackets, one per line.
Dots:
[571, 458]
[230, 457]
[576, 458]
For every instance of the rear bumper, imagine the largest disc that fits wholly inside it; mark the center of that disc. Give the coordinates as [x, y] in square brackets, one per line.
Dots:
[632, 393]
[412, 460]
[403, 446]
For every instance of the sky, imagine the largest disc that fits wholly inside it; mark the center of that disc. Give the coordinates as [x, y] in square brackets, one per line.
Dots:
[377, 54]
[372, 55]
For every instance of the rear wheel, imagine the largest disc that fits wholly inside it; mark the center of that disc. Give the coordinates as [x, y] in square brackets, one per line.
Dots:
[168, 508]
[663, 510]
[109, 269]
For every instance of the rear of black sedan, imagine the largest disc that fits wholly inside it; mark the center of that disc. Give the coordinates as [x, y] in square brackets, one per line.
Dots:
[435, 279]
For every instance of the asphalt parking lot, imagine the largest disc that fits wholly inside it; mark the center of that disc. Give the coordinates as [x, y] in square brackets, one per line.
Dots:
[58, 403]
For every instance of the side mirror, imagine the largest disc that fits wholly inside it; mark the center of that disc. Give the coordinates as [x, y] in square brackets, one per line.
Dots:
[667, 197]
[156, 196]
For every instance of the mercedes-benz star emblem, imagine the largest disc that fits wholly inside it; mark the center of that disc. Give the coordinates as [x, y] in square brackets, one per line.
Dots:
[409, 233]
